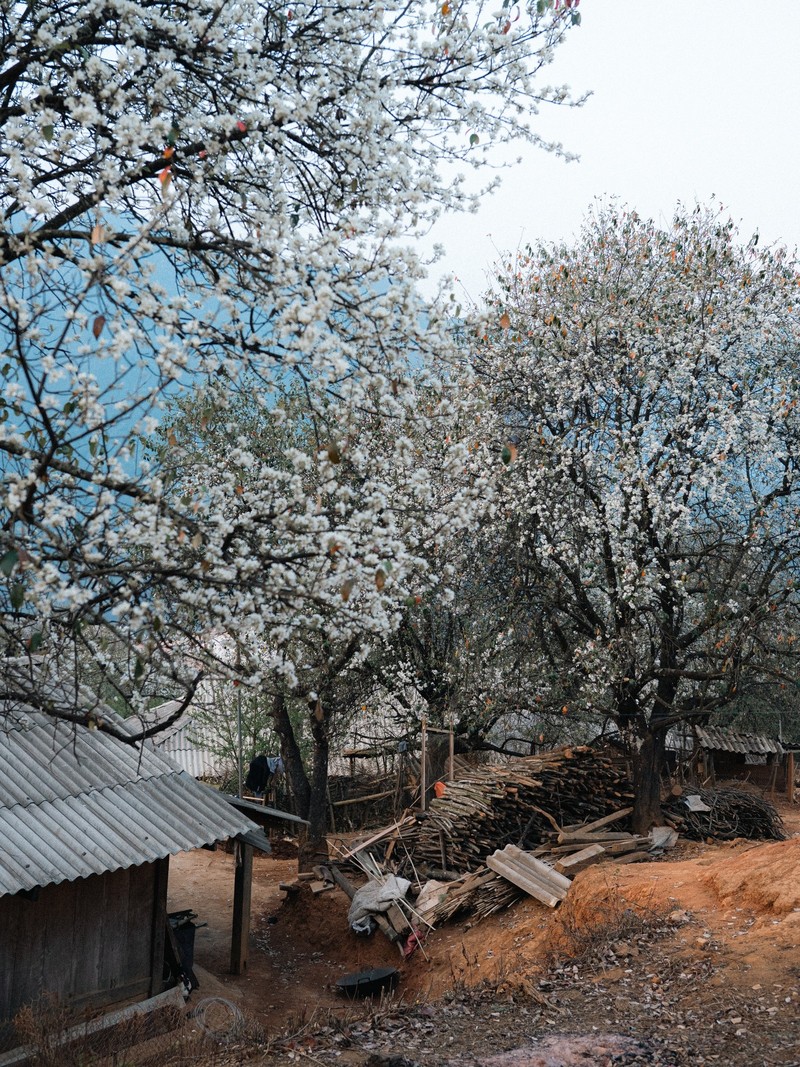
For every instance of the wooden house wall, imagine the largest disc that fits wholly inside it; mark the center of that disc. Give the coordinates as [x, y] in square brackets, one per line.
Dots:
[732, 765]
[91, 942]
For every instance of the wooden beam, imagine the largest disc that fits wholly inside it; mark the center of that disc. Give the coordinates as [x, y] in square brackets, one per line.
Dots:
[790, 777]
[579, 861]
[383, 923]
[362, 800]
[589, 827]
[242, 891]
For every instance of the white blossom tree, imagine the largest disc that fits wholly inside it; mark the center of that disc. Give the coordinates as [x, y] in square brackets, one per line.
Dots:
[189, 192]
[382, 511]
[647, 382]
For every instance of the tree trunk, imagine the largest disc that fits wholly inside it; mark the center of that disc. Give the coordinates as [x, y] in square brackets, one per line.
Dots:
[648, 763]
[290, 753]
[314, 848]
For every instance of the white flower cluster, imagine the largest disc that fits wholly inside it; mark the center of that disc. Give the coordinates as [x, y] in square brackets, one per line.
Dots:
[208, 202]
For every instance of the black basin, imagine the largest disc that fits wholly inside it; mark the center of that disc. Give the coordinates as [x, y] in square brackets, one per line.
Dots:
[368, 983]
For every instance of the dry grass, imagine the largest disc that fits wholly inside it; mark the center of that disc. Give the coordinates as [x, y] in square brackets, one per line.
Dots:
[594, 934]
[214, 1035]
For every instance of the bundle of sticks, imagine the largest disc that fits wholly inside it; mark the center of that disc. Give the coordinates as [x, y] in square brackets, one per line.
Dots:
[520, 802]
[730, 813]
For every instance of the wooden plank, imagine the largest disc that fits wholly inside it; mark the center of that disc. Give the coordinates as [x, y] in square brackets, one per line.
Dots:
[579, 861]
[562, 850]
[242, 891]
[634, 857]
[617, 848]
[598, 824]
[23, 954]
[398, 920]
[579, 837]
[122, 941]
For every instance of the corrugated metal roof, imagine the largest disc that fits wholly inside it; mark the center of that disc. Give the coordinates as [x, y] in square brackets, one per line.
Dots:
[76, 802]
[187, 742]
[716, 737]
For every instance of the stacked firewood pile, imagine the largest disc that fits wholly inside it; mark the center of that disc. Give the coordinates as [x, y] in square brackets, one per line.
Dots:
[522, 801]
[724, 814]
[528, 827]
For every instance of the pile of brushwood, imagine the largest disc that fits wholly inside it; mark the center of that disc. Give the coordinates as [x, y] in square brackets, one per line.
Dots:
[724, 814]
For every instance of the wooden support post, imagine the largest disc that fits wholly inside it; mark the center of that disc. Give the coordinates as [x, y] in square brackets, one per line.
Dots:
[773, 780]
[451, 757]
[158, 934]
[790, 777]
[423, 768]
[242, 888]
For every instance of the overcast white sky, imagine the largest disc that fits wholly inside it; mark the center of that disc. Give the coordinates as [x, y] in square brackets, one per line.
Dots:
[691, 98]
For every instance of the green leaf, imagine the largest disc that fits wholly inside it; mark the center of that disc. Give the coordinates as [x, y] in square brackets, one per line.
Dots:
[35, 642]
[576, 18]
[17, 595]
[9, 561]
[138, 669]
[47, 133]
[474, 138]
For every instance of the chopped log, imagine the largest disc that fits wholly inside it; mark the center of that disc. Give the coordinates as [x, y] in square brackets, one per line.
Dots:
[634, 857]
[579, 861]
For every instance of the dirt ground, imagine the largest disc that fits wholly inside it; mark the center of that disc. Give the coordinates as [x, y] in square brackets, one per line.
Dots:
[691, 959]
